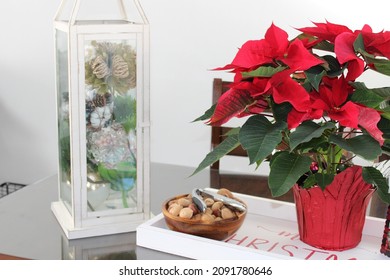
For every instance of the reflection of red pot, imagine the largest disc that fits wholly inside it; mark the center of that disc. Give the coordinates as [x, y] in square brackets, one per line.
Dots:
[333, 219]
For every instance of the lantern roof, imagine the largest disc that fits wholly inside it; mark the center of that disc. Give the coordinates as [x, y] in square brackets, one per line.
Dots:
[84, 12]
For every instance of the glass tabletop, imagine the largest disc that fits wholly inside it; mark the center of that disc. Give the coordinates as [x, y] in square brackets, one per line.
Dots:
[30, 230]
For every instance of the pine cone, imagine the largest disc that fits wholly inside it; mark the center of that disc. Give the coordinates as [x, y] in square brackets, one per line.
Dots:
[100, 100]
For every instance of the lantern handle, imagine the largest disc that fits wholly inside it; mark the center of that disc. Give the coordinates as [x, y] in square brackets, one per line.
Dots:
[139, 8]
[122, 9]
[76, 7]
[141, 11]
[74, 12]
[59, 10]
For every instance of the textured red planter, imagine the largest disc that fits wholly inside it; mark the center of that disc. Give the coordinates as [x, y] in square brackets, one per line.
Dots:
[333, 219]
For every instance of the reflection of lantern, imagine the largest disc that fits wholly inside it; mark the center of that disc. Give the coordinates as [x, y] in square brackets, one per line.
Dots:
[116, 247]
[103, 120]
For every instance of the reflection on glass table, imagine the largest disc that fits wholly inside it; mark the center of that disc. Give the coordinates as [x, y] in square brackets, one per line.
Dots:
[30, 230]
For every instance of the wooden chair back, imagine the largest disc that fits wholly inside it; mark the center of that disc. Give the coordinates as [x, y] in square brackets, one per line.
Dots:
[218, 132]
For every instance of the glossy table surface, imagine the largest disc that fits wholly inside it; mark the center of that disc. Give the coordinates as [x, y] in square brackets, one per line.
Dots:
[30, 230]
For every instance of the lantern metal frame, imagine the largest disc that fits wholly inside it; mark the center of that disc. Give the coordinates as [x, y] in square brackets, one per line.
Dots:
[75, 218]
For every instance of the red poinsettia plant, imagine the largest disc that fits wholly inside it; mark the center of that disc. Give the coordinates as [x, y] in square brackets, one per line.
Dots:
[308, 114]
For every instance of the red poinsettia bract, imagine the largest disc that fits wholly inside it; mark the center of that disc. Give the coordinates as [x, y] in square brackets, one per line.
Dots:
[273, 50]
[268, 51]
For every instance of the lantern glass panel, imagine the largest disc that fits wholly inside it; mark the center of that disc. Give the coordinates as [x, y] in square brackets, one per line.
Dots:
[111, 124]
[63, 118]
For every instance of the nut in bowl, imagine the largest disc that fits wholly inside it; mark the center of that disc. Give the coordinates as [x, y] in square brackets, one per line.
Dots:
[206, 214]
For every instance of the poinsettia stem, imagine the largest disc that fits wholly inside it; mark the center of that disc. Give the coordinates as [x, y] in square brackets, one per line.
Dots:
[331, 160]
[339, 152]
[318, 159]
[321, 160]
[349, 159]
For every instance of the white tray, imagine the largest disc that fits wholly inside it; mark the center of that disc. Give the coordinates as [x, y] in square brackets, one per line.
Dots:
[269, 232]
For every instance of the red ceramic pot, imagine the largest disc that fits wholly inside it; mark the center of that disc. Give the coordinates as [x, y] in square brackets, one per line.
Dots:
[333, 219]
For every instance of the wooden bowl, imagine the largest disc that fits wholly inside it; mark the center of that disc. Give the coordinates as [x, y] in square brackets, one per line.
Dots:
[218, 230]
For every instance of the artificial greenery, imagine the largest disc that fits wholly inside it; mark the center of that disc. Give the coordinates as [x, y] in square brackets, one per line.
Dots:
[111, 68]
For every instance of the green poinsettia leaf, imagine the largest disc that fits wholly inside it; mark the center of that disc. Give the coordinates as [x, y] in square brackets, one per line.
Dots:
[320, 143]
[324, 46]
[366, 97]
[385, 109]
[384, 126]
[263, 71]
[280, 111]
[286, 169]
[380, 65]
[307, 131]
[358, 85]
[307, 86]
[259, 137]
[274, 156]
[227, 145]
[310, 181]
[362, 145]
[233, 131]
[358, 45]
[373, 176]
[383, 92]
[207, 114]
[334, 67]
[314, 75]
[323, 179]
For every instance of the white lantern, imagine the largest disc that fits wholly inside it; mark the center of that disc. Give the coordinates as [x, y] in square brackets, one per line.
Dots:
[102, 70]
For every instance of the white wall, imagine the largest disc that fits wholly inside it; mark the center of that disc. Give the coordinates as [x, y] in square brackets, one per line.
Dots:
[27, 104]
[188, 37]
